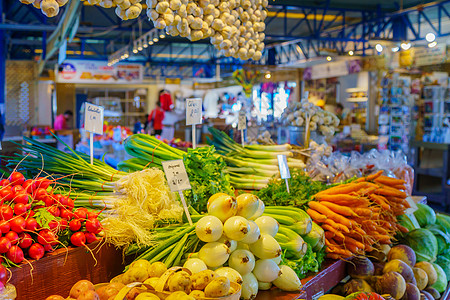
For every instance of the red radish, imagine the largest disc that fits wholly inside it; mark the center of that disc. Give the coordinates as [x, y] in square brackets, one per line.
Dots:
[21, 197]
[81, 213]
[17, 224]
[78, 239]
[75, 225]
[3, 274]
[54, 211]
[16, 178]
[36, 251]
[5, 244]
[29, 185]
[30, 224]
[4, 182]
[63, 224]
[53, 224]
[21, 208]
[43, 183]
[25, 240]
[70, 203]
[46, 237]
[6, 212]
[48, 200]
[15, 254]
[62, 201]
[30, 214]
[40, 194]
[6, 194]
[17, 188]
[13, 237]
[4, 226]
[48, 248]
[92, 215]
[93, 225]
[66, 214]
[90, 237]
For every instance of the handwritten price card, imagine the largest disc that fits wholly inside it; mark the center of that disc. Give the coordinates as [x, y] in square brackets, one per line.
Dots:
[93, 118]
[176, 175]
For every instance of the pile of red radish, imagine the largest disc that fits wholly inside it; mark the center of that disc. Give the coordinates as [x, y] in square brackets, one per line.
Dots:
[34, 220]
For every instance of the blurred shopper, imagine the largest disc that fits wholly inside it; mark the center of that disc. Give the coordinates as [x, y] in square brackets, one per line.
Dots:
[62, 121]
[156, 118]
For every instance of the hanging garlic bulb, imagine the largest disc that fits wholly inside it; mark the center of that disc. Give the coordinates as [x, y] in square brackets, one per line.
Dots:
[37, 3]
[106, 4]
[50, 8]
[26, 1]
[133, 11]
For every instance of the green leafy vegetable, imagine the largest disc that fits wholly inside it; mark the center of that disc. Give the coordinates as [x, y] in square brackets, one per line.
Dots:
[310, 262]
[43, 217]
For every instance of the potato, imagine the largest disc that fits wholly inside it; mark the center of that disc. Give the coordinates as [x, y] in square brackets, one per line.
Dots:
[80, 287]
[153, 281]
[147, 296]
[197, 294]
[55, 297]
[180, 296]
[132, 294]
[201, 279]
[421, 278]
[111, 289]
[180, 281]
[117, 279]
[88, 295]
[156, 269]
[219, 287]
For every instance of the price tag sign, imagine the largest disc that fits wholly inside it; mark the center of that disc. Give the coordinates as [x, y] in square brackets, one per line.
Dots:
[242, 121]
[283, 166]
[93, 118]
[177, 177]
[193, 111]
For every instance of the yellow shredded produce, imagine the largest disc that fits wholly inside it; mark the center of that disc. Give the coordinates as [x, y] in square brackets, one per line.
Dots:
[143, 198]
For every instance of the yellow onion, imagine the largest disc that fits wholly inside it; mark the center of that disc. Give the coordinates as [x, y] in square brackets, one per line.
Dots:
[222, 206]
[247, 205]
[209, 229]
[214, 254]
[236, 228]
[266, 247]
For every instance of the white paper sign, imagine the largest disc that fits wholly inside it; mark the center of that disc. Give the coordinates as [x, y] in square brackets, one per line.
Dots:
[193, 111]
[242, 122]
[413, 206]
[283, 166]
[176, 175]
[93, 118]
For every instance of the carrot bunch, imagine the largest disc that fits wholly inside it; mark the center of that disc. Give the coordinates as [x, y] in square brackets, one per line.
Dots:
[360, 215]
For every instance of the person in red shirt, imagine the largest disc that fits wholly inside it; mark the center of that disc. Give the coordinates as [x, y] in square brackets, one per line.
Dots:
[62, 121]
[156, 118]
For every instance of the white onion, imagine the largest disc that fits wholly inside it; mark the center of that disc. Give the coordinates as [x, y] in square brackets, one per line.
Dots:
[195, 265]
[242, 261]
[266, 270]
[277, 260]
[230, 273]
[267, 225]
[288, 280]
[209, 229]
[249, 287]
[231, 244]
[266, 247]
[236, 228]
[247, 204]
[214, 254]
[253, 235]
[264, 286]
[241, 245]
[222, 206]
[261, 205]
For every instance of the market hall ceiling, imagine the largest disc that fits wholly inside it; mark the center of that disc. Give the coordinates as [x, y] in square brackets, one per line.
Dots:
[101, 32]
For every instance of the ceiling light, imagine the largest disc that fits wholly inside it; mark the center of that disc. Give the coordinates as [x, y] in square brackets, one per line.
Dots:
[145, 45]
[155, 39]
[430, 37]
[405, 46]
[162, 36]
[135, 50]
[268, 75]
[350, 53]
[432, 44]
[150, 43]
[329, 58]
[395, 49]
[379, 48]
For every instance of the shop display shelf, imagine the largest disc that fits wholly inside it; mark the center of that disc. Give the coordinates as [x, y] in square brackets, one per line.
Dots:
[57, 272]
[314, 286]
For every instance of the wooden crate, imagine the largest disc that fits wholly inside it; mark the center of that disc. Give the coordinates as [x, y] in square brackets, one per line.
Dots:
[59, 271]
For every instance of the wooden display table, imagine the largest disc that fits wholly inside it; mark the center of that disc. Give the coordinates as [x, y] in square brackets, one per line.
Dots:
[57, 272]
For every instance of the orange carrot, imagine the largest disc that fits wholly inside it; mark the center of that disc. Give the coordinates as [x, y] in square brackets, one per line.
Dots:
[329, 213]
[402, 228]
[337, 197]
[332, 230]
[364, 211]
[389, 181]
[380, 200]
[383, 239]
[316, 216]
[334, 256]
[370, 177]
[337, 225]
[367, 191]
[342, 210]
[344, 189]
[388, 191]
